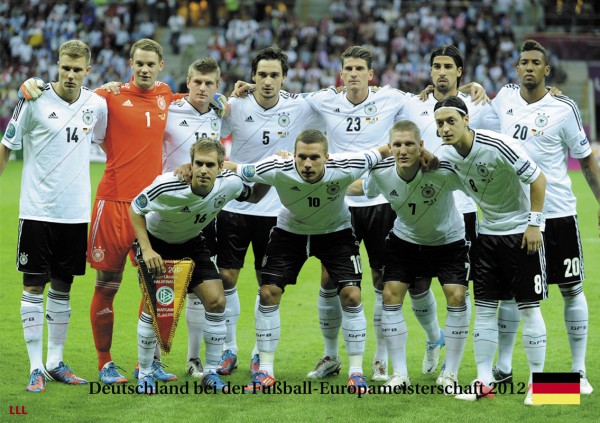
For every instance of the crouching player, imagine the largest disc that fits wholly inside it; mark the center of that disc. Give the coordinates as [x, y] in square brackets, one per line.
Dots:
[427, 239]
[168, 217]
[315, 221]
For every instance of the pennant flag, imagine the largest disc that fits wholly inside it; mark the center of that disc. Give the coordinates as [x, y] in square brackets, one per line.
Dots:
[555, 388]
[164, 296]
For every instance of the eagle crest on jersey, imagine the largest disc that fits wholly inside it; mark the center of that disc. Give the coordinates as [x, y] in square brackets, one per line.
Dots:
[541, 120]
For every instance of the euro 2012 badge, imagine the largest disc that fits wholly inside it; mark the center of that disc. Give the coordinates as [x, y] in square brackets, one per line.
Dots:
[141, 201]
[10, 131]
[249, 171]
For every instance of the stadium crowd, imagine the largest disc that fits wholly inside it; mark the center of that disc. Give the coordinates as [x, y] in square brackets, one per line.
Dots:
[400, 34]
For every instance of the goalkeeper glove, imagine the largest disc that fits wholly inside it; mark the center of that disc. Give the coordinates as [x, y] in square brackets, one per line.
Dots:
[31, 89]
[219, 105]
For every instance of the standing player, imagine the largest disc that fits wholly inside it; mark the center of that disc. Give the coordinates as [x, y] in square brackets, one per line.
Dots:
[428, 239]
[133, 147]
[446, 70]
[261, 124]
[315, 221]
[192, 118]
[55, 133]
[548, 128]
[164, 232]
[508, 262]
[356, 119]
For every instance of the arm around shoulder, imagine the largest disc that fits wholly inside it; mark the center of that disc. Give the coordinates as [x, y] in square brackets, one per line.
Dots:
[356, 188]
[385, 151]
[258, 192]
[231, 166]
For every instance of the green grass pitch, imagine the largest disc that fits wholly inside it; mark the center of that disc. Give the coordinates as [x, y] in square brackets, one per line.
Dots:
[299, 348]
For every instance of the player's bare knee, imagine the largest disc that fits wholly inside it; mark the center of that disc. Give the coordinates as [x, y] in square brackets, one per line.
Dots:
[455, 296]
[214, 304]
[270, 294]
[61, 283]
[350, 295]
[377, 279]
[36, 290]
[420, 286]
[391, 298]
[229, 277]
[34, 284]
[326, 282]
[106, 276]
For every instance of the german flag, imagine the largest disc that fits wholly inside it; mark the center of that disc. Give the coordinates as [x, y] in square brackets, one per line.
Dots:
[555, 388]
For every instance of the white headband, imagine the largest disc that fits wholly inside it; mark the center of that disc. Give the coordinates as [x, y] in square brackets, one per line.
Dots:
[461, 111]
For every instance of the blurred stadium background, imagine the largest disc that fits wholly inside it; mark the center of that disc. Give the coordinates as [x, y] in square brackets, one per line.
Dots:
[401, 34]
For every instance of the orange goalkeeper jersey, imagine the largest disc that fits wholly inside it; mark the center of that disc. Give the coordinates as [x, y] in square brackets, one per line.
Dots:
[134, 136]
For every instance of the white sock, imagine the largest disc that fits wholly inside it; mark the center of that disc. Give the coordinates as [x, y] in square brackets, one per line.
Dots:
[157, 351]
[485, 335]
[576, 321]
[509, 319]
[266, 362]
[534, 336]
[468, 304]
[58, 314]
[232, 315]
[256, 304]
[215, 331]
[194, 317]
[146, 343]
[425, 308]
[396, 336]
[32, 316]
[456, 331]
[354, 328]
[268, 330]
[330, 319]
[381, 353]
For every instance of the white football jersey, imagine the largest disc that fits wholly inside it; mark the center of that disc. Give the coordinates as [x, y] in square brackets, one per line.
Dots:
[548, 130]
[175, 214]
[493, 174]
[352, 128]
[185, 125]
[316, 208]
[56, 140]
[258, 133]
[425, 210]
[421, 113]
